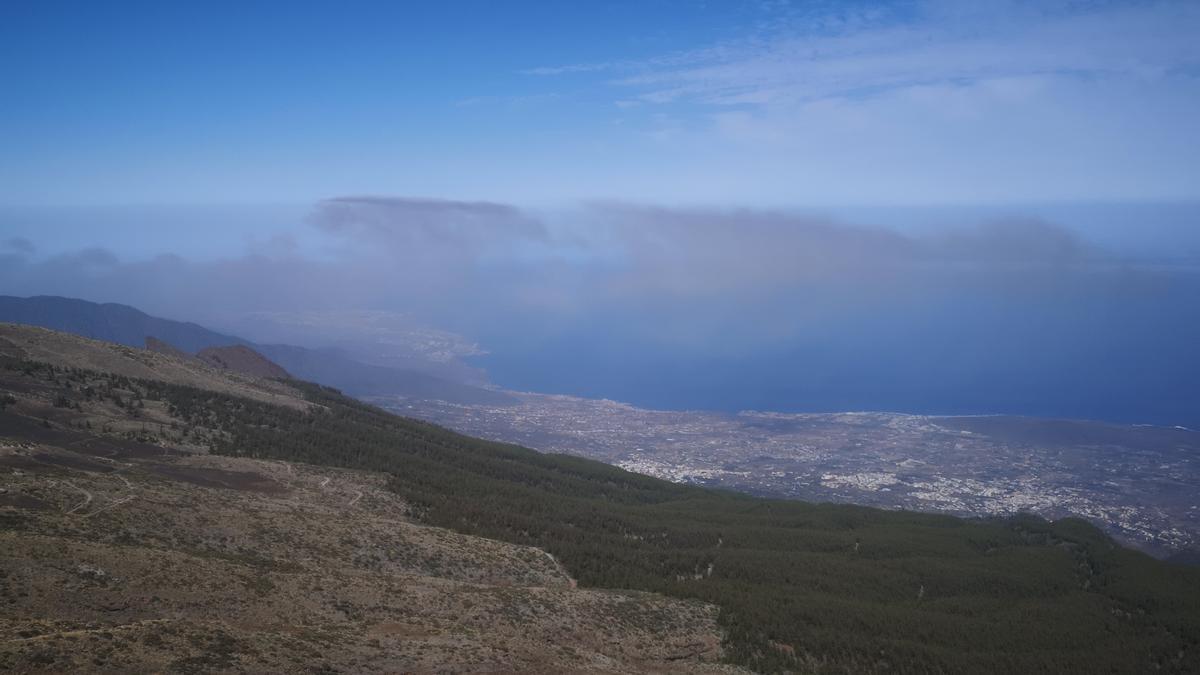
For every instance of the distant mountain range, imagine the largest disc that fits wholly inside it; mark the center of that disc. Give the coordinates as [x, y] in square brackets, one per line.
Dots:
[129, 326]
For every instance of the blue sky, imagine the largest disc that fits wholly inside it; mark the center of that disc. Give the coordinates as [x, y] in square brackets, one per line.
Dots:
[254, 102]
[758, 103]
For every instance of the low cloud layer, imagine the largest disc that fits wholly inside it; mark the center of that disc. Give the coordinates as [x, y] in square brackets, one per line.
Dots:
[406, 223]
[17, 245]
[442, 257]
[593, 299]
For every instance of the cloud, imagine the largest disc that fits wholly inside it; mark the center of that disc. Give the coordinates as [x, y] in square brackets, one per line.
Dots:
[404, 252]
[1023, 241]
[618, 252]
[95, 258]
[855, 54]
[570, 69]
[707, 253]
[707, 307]
[699, 276]
[406, 222]
[921, 103]
[18, 245]
[517, 102]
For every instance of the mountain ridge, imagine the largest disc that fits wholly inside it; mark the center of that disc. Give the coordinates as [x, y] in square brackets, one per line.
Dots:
[130, 326]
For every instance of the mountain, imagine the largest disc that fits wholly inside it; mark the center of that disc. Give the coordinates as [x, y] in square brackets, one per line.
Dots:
[109, 322]
[188, 518]
[71, 351]
[242, 359]
[128, 326]
[126, 547]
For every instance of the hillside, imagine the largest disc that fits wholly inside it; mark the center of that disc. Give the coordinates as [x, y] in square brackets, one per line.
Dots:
[122, 549]
[802, 587]
[128, 326]
[242, 359]
[47, 346]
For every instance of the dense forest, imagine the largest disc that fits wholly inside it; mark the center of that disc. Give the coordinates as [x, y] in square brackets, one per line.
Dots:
[801, 587]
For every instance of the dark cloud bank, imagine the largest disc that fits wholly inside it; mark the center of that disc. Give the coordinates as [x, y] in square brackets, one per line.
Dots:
[717, 309]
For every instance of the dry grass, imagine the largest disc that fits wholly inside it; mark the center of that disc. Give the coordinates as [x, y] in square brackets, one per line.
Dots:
[62, 349]
[135, 566]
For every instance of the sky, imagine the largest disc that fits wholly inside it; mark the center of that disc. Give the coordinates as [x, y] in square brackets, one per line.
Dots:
[759, 103]
[922, 206]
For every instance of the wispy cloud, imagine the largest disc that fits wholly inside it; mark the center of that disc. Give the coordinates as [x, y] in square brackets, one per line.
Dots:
[811, 57]
[573, 68]
[514, 102]
[926, 102]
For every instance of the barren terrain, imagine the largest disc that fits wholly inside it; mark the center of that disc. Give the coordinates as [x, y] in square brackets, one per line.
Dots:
[124, 555]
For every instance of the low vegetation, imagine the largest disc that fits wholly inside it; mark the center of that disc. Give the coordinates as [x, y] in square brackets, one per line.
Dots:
[801, 587]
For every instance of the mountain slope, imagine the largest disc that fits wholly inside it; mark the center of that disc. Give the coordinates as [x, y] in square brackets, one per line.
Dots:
[242, 359]
[128, 326]
[821, 588]
[123, 550]
[47, 346]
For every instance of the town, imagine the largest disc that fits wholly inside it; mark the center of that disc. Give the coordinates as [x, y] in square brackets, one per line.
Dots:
[1136, 482]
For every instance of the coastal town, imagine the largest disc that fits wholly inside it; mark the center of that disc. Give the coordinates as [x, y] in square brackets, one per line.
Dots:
[1136, 482]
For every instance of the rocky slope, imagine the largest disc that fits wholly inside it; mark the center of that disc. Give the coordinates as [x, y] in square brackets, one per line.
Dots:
[125, 548]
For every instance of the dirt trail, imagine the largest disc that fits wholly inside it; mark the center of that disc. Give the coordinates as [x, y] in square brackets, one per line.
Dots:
[561, 568]
[271, 475]
[87, 496]
[113, 461]
[109, 506]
